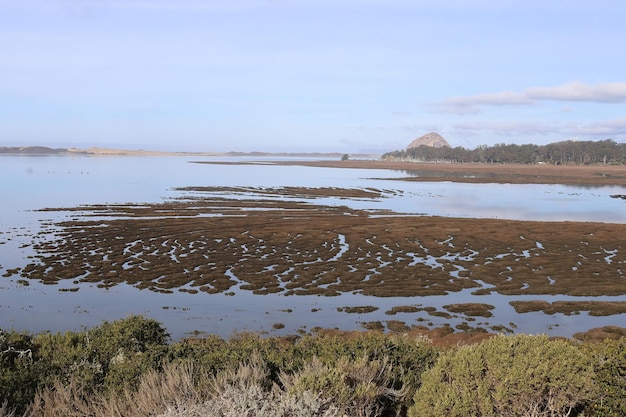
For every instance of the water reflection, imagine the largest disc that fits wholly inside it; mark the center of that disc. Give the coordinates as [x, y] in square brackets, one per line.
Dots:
[32, 183]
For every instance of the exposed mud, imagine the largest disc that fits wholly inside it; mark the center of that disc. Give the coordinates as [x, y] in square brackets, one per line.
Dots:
[479, 173]
[594, 308]
[471, 309]
[218, 245]
[602, 333]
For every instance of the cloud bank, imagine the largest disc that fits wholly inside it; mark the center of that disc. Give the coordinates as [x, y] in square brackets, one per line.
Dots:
[575, 91]
[599, 130]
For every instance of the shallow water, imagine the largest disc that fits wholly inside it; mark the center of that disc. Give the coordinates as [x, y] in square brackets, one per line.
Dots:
[31, 183]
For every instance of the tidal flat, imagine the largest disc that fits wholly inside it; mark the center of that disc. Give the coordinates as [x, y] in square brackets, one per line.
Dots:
[285, 258]
[214, 245]
[217, 245]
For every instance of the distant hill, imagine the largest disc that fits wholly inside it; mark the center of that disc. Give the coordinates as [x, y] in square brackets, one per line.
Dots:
[432, 139]
[31, 150]
[95, 151]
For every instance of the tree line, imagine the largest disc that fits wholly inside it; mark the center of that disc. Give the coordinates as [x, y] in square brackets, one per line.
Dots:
[567, 152]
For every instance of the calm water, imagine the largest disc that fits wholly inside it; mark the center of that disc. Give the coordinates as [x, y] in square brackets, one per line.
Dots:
[30, 183]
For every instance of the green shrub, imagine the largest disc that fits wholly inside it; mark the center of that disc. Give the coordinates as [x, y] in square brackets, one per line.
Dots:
[18, 381]
[127, 367]
[359, 387]
[520, 375]
[134, 334]
[405, 359]
[609, 359]
[386, 369]
[112, 355]
[67, 356]
[214, 355]
[127, 348]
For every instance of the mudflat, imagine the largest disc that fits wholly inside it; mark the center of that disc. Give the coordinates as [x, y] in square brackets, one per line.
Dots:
[216, 245]
[270, 244]
[481, 173]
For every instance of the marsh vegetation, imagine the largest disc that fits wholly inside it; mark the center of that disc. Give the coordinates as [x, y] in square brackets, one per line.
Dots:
[130, 367]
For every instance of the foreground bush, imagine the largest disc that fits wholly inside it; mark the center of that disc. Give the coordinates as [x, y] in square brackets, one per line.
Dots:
[395, 363]
[512, 376]
[129, 368]
[181, 390]
[609, 359]
[255, 402]
[18, 380]
[360, 388]
[156, 391]
[112, 356]
[249, 391]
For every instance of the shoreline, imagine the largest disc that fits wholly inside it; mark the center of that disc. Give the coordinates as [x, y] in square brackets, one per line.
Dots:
[475, 173]
[593, 175]
[100, 151]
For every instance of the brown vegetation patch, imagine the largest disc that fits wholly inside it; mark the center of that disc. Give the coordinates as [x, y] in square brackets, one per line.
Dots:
[439, 336]
[297, 192]
[403, 309]
[471, 309]
[217, 245]
[11, 271]
[595, 308]
[602, 333]
[373, 325]
[466, 327]
[446, 336]
[481, 173]
[397, 326]
[357, 310]
[486, 173]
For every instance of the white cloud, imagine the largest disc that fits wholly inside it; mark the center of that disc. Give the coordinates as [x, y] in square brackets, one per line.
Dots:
[615, 129]
[459, 109]
[492, 99]
[575, 91]
[507, 129]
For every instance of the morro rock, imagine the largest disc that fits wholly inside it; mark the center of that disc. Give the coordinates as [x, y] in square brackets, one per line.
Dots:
[432, 139]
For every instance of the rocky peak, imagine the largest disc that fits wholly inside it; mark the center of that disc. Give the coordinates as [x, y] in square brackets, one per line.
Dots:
[432, 139]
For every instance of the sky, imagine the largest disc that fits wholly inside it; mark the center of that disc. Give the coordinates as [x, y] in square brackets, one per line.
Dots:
[309, 75]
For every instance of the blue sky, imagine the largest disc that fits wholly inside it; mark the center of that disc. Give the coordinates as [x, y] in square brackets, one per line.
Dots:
[309, 75]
